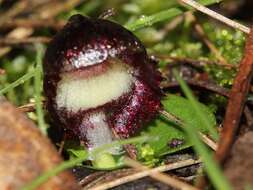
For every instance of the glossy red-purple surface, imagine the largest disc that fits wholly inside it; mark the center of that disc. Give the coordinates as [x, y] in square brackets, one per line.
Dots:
[86, 43]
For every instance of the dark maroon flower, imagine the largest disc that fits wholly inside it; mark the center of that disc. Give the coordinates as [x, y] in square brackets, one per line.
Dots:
[97, 77]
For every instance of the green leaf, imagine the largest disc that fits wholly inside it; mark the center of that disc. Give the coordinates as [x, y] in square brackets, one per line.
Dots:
[167, 133]
[78, 152]
[145, 21]
[171, 137]
[74, 149]
[102, 161]
[182, 108]
[168, 14]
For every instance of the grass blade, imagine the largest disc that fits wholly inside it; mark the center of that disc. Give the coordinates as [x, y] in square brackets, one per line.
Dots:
[212, 168]
[18, 82]
[196, 108]
[38, 90]
[145, 21]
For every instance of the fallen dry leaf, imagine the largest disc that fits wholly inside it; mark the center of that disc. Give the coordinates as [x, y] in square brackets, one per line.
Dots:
[26, 153]
[238, 169]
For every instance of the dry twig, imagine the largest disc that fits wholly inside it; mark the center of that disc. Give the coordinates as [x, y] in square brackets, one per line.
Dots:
[169, 180]
[17, 8]
[44, 12]
[200, 83]
[17, 33]
[30, 107]
[52, 9]
[86, 183]
[195, 63]
[14, 41]
[216, 15]
[145, 173]
[34, 23]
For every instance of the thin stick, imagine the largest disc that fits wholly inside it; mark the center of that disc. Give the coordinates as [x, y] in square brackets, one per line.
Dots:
[30, 107]
[93, 177]
[61, 147]
[145, 173]
[34, 23]
[53, 9]
[44, 12]
[169, 180]
[208, 141]
[203, 137]
[13, 41]
[194, 62]
[217, 16]
[199, 83]
[17, 8]
[17, 33]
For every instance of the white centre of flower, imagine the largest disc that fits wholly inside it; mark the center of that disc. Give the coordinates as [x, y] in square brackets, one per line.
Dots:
[86, 93]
